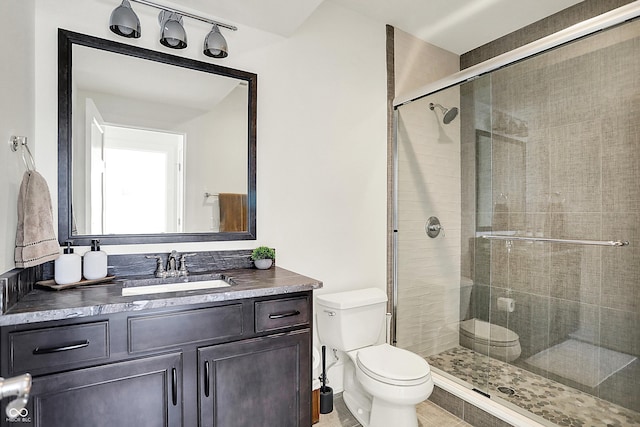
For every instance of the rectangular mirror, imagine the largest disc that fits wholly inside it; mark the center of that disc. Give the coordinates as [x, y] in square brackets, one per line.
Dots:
[152, 147]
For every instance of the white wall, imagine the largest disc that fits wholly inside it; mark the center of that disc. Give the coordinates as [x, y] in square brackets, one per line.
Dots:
[219, 164]
[321, 135]
[16, 112]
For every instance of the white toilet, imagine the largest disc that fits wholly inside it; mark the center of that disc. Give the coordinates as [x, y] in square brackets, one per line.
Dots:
[493, 340]
[382, 383]
[483, 337]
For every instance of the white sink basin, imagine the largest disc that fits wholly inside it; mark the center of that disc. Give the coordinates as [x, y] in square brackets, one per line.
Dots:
[174, 287]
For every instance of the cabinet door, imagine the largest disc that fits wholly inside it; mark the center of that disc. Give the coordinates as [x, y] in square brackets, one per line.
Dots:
[141, 392]
[258, 382]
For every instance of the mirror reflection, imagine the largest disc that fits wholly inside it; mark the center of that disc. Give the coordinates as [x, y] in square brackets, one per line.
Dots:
[158, 149]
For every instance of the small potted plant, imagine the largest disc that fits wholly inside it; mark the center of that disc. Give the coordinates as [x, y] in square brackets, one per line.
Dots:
[263, 257]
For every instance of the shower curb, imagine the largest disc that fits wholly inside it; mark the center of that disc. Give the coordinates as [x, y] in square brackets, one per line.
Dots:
[488, 405]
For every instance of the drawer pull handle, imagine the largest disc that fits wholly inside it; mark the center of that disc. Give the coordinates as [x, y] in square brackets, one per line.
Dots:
[48, 350]
[284, 314]
[206, 378]
[174, 386]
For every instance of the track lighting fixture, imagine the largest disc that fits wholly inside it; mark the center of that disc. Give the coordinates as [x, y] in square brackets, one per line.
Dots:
[124, 22]
[215, 45]
[172, 32]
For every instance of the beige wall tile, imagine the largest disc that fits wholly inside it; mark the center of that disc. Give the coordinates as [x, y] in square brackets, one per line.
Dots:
[429, 177]
[621, 266]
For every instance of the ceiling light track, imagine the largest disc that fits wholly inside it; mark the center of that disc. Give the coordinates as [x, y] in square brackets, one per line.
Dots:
[187, 14]
[124, 22]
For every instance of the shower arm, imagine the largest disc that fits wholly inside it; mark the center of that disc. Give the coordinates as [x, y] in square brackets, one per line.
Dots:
[442, 109]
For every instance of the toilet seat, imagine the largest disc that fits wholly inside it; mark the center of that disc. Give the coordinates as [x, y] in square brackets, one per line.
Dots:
[485, 333]
[392, 365]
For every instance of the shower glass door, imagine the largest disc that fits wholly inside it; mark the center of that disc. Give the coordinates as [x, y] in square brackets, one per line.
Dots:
[546, 148]
[565, 143]
[429, 303]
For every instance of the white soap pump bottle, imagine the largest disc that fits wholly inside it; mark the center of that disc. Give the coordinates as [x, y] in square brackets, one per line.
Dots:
[68, 267]
[95, 262]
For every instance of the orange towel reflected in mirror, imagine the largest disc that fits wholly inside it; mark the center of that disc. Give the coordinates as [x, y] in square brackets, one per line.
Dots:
[233, 212]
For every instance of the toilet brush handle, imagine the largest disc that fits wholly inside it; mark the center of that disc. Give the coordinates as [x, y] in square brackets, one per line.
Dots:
[324, 367]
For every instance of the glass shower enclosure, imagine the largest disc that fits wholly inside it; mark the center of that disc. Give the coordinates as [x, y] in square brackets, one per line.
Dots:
[530, 289]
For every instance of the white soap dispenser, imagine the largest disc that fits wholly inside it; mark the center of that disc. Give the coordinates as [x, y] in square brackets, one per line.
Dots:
[95, 262]
[68, 267]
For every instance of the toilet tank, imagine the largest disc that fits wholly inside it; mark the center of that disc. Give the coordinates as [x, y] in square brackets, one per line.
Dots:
[351, 320]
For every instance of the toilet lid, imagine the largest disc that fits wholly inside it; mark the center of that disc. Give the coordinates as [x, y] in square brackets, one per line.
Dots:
[487, 333]
[393, 365]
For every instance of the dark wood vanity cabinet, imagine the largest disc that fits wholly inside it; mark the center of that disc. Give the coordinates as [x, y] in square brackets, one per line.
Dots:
[228, 364]
[255, 382]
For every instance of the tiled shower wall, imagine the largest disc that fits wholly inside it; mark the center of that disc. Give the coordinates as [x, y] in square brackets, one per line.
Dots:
[574, 174]
[428, 185]
[575, 14]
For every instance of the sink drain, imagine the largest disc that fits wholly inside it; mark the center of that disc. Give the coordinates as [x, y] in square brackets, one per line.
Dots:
[506, 390]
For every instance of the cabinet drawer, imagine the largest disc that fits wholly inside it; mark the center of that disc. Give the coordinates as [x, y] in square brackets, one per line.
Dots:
[282, 313]
[61, 345]
[175, 329]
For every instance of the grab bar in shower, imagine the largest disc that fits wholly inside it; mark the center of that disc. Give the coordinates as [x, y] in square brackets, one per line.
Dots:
[618, 243]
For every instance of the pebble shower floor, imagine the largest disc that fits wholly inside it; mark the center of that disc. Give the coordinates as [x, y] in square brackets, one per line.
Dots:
[555, 402]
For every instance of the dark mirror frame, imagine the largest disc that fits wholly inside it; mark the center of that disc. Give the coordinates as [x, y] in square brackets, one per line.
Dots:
[66, 40]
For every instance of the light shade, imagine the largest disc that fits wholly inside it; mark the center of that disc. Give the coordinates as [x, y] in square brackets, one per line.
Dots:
[173, 34]
[124, 21]
[215, 44]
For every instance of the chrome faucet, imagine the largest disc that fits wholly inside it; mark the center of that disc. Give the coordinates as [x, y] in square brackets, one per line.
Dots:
[172, 264]
[173, 268]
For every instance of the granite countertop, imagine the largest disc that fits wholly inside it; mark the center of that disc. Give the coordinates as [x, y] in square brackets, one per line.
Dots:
[41, 305]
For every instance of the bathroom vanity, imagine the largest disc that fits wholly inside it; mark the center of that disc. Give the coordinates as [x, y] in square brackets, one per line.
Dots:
[237, 356]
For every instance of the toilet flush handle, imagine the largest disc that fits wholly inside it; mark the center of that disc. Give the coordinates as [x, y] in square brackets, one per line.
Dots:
[330, 313]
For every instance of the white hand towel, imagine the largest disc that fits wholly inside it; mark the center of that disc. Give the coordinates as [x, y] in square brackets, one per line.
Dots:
[36, 242]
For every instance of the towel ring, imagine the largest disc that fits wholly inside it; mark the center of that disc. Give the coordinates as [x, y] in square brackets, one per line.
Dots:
[14, 143]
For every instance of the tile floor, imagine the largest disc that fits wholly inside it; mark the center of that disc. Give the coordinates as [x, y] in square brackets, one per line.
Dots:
[429, 415]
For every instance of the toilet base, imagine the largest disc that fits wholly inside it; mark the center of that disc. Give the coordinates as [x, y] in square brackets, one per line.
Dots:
[359, 406]
[384, 414]
[357, 400]
[378, 412]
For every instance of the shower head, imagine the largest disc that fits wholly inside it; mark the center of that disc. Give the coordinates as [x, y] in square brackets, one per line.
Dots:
[448, 113]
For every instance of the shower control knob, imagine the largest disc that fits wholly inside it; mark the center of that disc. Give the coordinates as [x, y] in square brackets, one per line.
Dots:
[433, 227]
